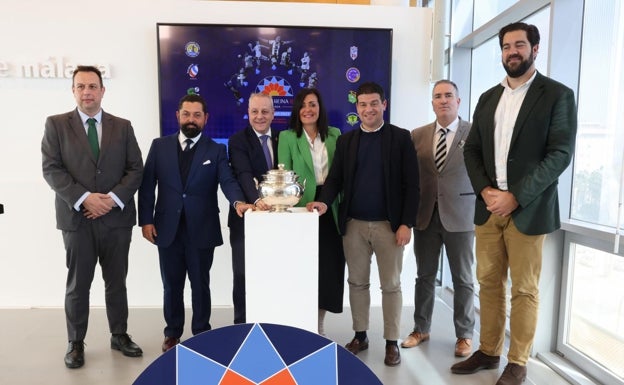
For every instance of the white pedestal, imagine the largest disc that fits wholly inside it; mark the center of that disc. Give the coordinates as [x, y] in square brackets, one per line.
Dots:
[281, 268]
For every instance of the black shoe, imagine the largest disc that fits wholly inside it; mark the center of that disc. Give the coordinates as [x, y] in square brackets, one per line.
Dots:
[74, 358]
[123, 343]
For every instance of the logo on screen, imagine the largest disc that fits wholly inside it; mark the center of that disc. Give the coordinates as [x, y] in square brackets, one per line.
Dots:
[193, 71]
[352, 97]
[352, 119]
[191, 49]
[353, 74]
[353, 52]
[274, 86]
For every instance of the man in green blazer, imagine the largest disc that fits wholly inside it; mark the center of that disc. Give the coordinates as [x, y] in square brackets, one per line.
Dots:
[522, 139]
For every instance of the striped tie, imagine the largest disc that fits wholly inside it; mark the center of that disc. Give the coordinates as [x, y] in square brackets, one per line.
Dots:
[440, 154]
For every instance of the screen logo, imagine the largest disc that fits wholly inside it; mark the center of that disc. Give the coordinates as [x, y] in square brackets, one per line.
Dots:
[353, 74]
[193, 71]
[352, 97]
[352, 119]
[275, 86]
[353, 52]
[191, 49]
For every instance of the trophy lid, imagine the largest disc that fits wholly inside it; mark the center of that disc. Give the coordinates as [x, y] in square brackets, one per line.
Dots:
[280, 174]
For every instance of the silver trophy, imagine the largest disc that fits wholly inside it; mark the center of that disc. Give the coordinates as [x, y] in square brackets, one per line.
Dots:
[280, 189]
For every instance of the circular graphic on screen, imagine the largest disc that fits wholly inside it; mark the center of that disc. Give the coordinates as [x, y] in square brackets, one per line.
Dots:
[257, 354]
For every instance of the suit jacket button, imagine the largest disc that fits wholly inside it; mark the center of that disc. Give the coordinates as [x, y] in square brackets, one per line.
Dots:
[98, 171]
[183, 195]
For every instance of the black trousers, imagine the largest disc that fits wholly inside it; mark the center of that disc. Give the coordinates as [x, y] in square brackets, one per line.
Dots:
[178, 260]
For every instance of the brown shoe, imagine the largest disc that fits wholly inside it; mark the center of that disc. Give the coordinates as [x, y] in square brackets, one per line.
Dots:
[463, 347]
[414, 339]
[356, 346]
[393, 357]
[513, 374]
[169, 343]
[478, 361]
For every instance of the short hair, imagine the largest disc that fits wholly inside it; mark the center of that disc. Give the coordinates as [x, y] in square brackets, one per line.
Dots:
[446, 81]
[261, 95]
[370, 88]
[193, 98]
[295, 121]
[94, 69]
[532, 32]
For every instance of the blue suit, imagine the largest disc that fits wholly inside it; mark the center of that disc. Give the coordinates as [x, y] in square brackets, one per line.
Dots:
[186, 219]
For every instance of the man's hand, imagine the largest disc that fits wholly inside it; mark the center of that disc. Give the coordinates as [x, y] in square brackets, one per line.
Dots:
[149, 233]
[97, 205]
[499, 202]
[262, 205]
[242, 207]
[403, 235]
[320, 206]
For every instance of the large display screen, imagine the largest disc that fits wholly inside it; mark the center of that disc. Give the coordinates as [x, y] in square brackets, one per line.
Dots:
[226, 63]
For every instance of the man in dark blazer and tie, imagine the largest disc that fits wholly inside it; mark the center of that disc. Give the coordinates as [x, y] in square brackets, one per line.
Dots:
[376, 169]
[249, 162]
[522, 139]
[93, 163]
[183, 220]
[445, 217]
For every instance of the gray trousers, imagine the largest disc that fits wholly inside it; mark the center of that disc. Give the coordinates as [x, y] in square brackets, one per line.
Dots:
[427, 246]
[93, 242]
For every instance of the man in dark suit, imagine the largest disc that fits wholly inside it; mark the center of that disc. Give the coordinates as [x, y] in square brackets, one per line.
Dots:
[445, 217]
[376, 169]
[522, 139]
[249, 163]
[183, 221]
[93, 163]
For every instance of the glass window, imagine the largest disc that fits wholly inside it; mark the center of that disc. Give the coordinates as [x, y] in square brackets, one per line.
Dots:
[596, 312]
[484, 11]
[600, 138]
[487, 69]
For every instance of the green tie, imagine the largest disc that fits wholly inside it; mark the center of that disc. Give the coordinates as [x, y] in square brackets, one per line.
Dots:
[93, 138]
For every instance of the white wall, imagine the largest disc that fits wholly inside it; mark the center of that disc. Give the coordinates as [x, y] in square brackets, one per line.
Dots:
[122, 34]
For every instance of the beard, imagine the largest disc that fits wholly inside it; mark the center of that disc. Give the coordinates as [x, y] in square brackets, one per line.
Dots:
[190, 130]
[521, 67]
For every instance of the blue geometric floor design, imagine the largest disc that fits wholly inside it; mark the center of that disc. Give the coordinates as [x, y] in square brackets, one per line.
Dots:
[253, 354]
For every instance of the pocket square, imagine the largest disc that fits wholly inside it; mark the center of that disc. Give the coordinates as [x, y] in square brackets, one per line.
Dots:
[206, 162]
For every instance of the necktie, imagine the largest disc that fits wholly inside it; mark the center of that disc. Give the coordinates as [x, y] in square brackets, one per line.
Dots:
[265, 148]
[188, 142]
[93, 138]
[440, 154]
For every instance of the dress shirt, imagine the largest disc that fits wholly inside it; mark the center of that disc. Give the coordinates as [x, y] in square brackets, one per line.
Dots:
[98, 126]
[269, 142]
[319, 158]
[182, 139]
[504, 121]
[450, 134]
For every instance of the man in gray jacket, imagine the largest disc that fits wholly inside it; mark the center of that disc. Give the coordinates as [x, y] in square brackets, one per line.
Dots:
[444, 218]
[93, 163]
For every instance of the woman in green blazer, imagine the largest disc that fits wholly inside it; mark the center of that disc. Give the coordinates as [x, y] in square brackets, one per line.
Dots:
[308, 148]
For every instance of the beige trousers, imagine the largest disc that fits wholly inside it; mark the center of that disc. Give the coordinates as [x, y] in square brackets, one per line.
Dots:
[361, 240]
[501, 249]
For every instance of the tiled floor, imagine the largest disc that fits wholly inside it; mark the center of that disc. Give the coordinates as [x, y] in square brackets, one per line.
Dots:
[33, 345]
